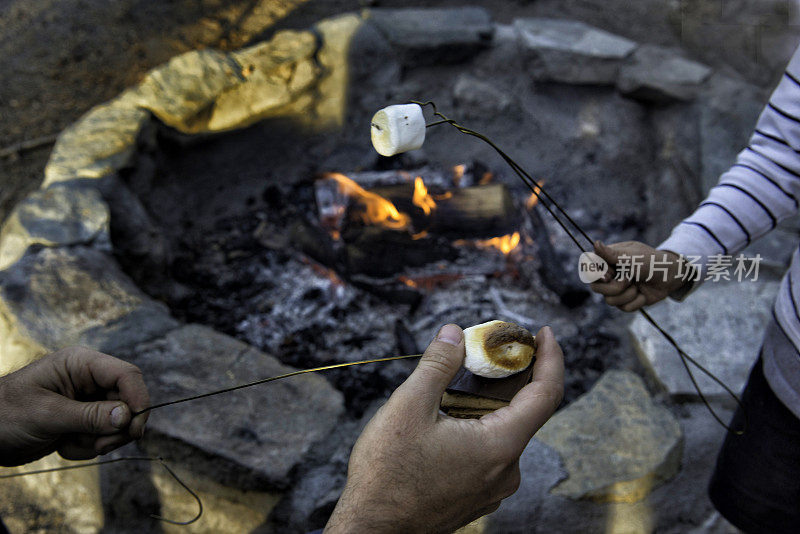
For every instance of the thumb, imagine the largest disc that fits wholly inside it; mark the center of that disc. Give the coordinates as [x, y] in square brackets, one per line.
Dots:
[438, 366]
[606, 252]
[68, 416]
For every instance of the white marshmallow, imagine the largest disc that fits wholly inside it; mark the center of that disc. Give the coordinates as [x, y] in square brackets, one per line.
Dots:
[397, 129]
[497, 349]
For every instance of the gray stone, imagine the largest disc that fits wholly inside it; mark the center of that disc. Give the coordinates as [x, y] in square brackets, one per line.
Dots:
[659, 75]
[776, 249]
[209, 91]
[729, 109]
[541, 469]
[476, 96]
[673, 187]
[328, 102]
[99, 143]
[720, 325]
[260, 433]
[675, 507]
[55, 217]
[577, 132]
[321, 478]
[684, 500]
[434, 35]
[59, 297]
[373, 68]
[617, 445]
[715, 524]
[570, 51]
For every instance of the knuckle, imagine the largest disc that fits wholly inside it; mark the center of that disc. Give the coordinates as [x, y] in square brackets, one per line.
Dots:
[133, 371]
[553, 392]
[74, 351]
[130, 372]
[91, 418]
[438, 361]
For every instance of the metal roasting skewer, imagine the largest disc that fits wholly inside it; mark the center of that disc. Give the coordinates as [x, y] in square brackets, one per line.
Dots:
[187, 399]
[539, 191]
[545, 200]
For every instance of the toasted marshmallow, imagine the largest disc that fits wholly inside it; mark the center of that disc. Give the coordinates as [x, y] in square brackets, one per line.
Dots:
[498, 349]
[397, 129]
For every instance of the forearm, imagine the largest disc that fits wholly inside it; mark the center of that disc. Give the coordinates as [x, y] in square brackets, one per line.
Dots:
[759, 190]
[365, 510]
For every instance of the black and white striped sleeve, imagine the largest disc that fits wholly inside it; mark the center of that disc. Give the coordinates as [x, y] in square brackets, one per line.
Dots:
[759, 190]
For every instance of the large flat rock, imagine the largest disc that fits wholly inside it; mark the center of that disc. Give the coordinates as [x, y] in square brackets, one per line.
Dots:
[56, 216]
[659, 75]
[728, 109]
[66, 296]
[570, 51]
[262, 432]
[616, 443]
[102, 141]
[432, 35]
[721, 325]
[541, 468]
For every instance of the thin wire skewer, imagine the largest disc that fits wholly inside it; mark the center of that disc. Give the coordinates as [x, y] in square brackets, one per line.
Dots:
[540, 192]
[272, 379]
[187, 399]
[124, 459]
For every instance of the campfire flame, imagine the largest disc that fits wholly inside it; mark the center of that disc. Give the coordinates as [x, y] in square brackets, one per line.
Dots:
[377, 210]
[534, 198]
[421, 198]
[458, 174]
[504, 244]
[407, 281]
[419, 235]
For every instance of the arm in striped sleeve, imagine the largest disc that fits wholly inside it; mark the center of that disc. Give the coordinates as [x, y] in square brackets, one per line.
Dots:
[759, 190]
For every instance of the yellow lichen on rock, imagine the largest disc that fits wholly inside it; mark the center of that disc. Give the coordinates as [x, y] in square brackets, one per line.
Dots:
[616, 443]
[16, 348]
[71, 497]
[225, 509]
[181, 92]
[277, 74]
[54, 217]
[100, 142]
[337, 34]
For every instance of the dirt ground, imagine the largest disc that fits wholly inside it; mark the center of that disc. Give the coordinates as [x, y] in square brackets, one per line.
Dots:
[58, 58]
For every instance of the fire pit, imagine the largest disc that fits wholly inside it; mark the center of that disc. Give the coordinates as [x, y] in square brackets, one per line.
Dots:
[240, 192]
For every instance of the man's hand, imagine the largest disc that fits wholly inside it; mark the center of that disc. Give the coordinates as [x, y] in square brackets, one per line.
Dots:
[633, 292]
[75, 401]
[416, 470]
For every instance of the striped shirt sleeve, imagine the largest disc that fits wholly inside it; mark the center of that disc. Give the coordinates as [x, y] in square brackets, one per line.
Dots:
[759, 190]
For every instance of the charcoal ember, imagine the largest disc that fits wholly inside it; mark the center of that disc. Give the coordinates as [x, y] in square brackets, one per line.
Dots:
[372, 179]
[271, 236]
[377, 251]
[471, 174]
[297, 295]
[312, 240]
[552, 268]
[391, 290]
[405, 339]
[587, 355]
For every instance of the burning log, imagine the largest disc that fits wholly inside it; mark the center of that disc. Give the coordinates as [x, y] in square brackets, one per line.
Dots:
[478, 211]
[378, 251]
[469, 212]
[571, 292]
